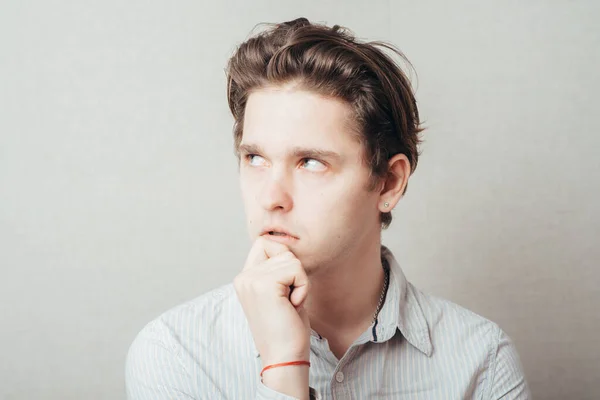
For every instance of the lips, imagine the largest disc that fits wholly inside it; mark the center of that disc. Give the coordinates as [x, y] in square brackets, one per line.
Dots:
[277, 232]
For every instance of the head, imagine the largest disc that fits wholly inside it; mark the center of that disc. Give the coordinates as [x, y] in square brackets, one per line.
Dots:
[326, 131]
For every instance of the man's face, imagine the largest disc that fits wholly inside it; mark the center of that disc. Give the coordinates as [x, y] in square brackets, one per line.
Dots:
[301, 176]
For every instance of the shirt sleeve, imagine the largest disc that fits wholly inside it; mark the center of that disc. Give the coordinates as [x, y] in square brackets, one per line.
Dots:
[265, 393]
[154, 371]
[507, 380]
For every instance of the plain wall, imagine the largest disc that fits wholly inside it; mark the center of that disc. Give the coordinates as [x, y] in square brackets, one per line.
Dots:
[118, 185]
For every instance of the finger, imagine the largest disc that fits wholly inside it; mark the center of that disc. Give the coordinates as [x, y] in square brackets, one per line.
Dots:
[262, 250]
[272, 248]
[295, 276]
[299, 295]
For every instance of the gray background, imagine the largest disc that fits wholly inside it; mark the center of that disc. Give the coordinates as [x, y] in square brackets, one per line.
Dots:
[119, 195]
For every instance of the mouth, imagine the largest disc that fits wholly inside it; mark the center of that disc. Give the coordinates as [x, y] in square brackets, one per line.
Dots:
[273, 233]
[280, 234]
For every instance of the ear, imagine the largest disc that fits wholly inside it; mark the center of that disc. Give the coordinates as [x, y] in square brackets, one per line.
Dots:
[394, 183]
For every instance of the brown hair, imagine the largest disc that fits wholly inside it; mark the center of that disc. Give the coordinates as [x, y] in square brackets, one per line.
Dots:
[331, 62]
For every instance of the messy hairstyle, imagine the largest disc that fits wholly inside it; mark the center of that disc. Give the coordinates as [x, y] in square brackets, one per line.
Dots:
[331, 62]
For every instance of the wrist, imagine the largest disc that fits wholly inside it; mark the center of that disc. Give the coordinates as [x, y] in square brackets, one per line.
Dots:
[291, 380]
[284, 364]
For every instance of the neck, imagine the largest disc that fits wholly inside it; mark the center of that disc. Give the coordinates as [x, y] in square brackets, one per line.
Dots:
[345, 295]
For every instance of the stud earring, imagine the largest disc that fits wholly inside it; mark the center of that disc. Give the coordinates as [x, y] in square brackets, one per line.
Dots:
[386, 204]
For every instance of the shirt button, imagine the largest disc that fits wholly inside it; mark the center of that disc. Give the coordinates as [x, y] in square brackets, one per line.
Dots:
[339, 377]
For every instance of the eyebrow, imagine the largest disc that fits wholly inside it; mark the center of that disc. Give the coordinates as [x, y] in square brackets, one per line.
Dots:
[298, 152]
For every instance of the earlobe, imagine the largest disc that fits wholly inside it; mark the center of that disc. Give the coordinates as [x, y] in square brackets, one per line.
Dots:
[395, 181]
[385, 207]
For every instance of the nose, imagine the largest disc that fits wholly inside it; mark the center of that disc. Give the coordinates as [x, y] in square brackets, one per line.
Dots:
[275, 194]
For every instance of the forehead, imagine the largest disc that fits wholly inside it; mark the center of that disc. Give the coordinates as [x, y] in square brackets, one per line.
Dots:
[285, 117]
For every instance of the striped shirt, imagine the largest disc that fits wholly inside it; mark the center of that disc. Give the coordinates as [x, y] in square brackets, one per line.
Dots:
[421, 347]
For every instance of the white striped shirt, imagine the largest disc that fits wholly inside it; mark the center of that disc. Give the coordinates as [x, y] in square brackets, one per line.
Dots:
[421, 347]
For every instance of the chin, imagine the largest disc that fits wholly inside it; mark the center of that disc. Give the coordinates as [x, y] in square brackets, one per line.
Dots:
[310, 262]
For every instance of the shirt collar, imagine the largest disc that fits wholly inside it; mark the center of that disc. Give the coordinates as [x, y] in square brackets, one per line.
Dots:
[401, 310]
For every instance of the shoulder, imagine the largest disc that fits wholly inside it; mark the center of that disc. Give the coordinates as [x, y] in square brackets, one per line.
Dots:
[206, 316]
[473, 341]
[445, 317]
[181, 333]
[170, 353]
[213, 308]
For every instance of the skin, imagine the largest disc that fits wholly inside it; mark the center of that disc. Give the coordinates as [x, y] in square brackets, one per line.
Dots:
[301, 171]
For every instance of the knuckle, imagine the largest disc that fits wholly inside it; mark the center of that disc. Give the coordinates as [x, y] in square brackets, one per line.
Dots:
[288, 254]
[301, 273]
[296, 264]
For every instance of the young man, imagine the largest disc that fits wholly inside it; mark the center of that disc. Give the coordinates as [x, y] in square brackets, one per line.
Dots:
[326, 130]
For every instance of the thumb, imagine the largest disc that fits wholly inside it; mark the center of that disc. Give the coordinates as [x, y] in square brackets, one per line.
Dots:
[299, 293]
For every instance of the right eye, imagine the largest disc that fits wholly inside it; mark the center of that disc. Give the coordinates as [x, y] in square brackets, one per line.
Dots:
[255, 160]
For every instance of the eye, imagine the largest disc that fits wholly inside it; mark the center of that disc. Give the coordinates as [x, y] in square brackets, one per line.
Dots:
[255, 160]
[313, 165]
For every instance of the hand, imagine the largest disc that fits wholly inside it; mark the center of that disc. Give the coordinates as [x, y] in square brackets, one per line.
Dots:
[272, 289]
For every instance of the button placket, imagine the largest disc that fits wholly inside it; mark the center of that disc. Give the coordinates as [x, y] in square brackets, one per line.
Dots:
[339, 389]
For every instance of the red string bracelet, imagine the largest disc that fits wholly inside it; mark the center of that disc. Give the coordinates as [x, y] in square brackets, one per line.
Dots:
[285, 364]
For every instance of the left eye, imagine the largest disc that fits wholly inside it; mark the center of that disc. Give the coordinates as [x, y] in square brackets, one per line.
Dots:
[313, 164]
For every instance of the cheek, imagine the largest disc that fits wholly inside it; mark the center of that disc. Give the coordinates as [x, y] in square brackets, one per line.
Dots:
[340, 203]
[249, 200]
[248, 188]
